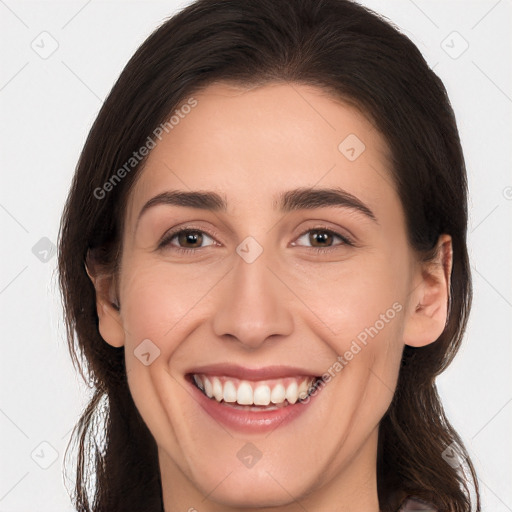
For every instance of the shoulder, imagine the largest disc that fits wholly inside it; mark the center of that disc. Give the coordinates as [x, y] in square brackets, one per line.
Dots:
[413, 504]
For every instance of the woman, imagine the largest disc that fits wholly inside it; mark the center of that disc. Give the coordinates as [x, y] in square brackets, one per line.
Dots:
[263, 257]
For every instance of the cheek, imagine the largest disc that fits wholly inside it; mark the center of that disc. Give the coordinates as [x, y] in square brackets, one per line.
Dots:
[361, 313]
[365, 315]
[161, 307]
[157, 307]
[360, 301]
[158, 300]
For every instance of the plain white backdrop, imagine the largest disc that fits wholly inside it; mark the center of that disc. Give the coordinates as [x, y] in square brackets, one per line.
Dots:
[58, 63]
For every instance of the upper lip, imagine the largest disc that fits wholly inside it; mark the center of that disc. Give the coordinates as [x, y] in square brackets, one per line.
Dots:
[244, 373]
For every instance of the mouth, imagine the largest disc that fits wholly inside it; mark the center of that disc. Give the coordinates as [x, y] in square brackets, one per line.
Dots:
[258, 395]
[253, 405]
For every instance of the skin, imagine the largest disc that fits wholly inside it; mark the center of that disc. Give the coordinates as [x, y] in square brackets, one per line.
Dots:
[291, 306]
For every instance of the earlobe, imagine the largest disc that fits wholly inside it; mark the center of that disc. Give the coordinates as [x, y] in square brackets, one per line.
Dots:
[107, 307]
[430, 300]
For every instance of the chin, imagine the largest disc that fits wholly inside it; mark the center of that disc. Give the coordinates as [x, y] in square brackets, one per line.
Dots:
[243, 488]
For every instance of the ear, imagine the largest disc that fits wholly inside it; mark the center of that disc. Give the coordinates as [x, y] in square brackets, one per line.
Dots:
[429, 301]
[107, 305]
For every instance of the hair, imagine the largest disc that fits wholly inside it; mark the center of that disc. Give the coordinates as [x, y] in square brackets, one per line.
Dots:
[354, 55]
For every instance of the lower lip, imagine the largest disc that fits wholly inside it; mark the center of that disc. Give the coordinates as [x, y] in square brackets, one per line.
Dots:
[250, 421]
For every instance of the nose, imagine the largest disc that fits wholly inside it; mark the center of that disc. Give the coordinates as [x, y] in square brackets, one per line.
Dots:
[252, 307]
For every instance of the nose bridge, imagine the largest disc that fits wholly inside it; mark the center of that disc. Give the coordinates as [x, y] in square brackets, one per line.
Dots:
[252, 306]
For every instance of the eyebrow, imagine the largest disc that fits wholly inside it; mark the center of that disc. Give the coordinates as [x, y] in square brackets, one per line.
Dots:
[311, 198]
[291, 200]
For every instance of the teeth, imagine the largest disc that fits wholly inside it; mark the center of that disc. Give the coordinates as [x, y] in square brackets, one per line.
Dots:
[278, 394]
[230, 394]
[264, 393]
[198, 382]
[244, 395]
[303, 390]
[217, 389]
[208, 388]
[292, 392]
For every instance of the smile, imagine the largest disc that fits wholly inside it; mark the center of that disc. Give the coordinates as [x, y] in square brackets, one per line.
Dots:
[278, 392]
[253, 401]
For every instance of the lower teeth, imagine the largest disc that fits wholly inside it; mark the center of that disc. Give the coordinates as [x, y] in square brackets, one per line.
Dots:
[254, 407]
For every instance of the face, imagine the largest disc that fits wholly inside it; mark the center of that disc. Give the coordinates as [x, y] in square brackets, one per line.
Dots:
[293, 275]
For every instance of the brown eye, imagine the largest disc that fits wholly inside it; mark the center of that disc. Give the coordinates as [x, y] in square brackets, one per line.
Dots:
[194, 238]
[322, 239]
[187, 239]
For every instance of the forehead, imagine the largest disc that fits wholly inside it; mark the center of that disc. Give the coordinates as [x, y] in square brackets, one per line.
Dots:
[250, 144]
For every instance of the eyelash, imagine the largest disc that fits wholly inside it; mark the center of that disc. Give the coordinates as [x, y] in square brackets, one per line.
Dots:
[345, 240]
[187, 250]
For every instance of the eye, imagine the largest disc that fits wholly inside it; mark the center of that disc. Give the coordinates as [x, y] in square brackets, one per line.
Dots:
[322, 239]
[187, 240]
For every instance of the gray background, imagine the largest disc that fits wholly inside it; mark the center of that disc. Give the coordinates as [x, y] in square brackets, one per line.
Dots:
[59, 61]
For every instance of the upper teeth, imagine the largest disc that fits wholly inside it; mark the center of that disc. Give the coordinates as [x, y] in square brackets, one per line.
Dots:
[246, 392]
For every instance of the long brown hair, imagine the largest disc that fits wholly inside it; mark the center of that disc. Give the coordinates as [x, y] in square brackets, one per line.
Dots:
[354, 54]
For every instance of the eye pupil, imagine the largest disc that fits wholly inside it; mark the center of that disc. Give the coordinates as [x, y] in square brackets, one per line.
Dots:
[191, 237]
[323, 237]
